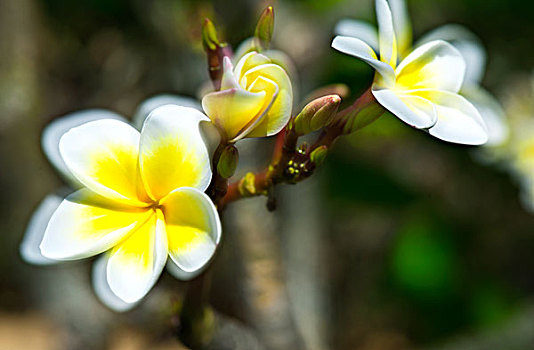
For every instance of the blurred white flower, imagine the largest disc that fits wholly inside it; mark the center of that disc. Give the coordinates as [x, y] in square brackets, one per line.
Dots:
[462, 39]
[516, 154]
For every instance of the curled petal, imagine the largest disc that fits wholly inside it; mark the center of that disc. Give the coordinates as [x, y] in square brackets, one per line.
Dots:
[272, 79]
[386, 34]
[29, 248]
[413, 110]
[172, 153]
[357, 48]
[53, 132]
[467, 43]
[103, 155]
[234, 110]
[134, 265]
[435, 65]
[402, 25]
[458, 120]
[103, 290]
[154, 102]
[180, 274]
[193, 228]
[249, 61]
[358, 29]
[86, 224]
[259, 127]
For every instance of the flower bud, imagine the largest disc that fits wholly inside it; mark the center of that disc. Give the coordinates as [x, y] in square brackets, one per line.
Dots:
[264, 29]
[209, 36]
[215, 50]
[316, 114]
[318, 155]
[228, 161]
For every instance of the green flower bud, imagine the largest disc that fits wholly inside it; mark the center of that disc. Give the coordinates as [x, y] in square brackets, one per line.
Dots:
[228, 161]
[209, 36]
[316, 114]
[264, 29]
[318, 155]
[215, 51]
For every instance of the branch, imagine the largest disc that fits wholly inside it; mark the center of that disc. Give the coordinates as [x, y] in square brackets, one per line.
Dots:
[291, 164]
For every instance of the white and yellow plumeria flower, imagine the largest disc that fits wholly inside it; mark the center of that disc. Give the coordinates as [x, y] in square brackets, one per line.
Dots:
[462, 39]
[29, 248]
[143, 201]
[255, 99]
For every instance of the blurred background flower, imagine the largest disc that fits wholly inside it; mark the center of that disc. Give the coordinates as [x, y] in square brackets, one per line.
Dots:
[381, 251]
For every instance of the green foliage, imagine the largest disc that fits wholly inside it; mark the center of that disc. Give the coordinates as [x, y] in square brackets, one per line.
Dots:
[424, 262]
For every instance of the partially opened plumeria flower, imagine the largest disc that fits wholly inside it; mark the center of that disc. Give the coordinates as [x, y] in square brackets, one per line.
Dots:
[421, 90]
[255, 99]
[142, 201]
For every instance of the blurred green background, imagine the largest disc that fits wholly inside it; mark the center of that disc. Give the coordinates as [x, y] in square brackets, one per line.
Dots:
[399, 242]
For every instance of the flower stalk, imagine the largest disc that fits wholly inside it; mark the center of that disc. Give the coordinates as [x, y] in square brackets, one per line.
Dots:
[290, 163]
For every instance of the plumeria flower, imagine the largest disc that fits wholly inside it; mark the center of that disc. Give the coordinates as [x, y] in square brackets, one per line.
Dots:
[142, 200]
[255, 99]
[462, 39]
[29, 248]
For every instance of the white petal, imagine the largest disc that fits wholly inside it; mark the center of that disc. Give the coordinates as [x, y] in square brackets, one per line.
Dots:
[491, 112]
[29, 248]
[53, 132]
[193, 228]
[435, 65]
[161, 100]
[103, 155]
[172, 152]
[458, 120]
[467, 43]
[357, 48]
[358, 29]
[136, 263]
[102, 288]
[413, 110]
[180, 274]
[228, 80]
[386, 33]
[402, 25]
[86, 224]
